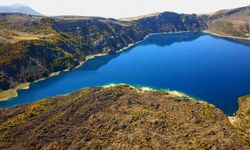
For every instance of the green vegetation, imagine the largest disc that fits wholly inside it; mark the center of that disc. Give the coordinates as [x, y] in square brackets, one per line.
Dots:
[9, 52]
[207, 111]
[58, 62]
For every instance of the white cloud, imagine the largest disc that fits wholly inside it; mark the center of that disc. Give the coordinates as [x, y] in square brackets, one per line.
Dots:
[125, 8]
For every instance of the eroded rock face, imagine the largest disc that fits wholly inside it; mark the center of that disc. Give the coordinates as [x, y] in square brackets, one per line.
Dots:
[119, 117]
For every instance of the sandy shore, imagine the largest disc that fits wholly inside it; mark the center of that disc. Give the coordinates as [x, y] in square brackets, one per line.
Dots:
[172, 93]
[7, 94]
[226, 36]
[233, 119]
[10, 93]
[145, 89]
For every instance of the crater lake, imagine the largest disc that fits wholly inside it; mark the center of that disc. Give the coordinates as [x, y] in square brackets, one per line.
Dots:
[203, 66]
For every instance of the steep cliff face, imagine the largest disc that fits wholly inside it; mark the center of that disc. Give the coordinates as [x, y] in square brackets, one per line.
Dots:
[32, 47]
[99, 35]
[119, 117]
[26, 61]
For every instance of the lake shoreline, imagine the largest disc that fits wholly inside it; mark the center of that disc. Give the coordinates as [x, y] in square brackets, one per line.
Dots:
[11, 93]
[99, 105]
[225, 36]
[174, 93]
[147, 88]
[135, 67]
[177, 94]
[6, 95]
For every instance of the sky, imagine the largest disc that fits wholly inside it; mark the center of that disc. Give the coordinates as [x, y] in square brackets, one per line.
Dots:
[125, 8]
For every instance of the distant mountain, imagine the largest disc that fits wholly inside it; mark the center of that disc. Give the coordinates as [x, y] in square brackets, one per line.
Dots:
[17, 8]
[232, 22]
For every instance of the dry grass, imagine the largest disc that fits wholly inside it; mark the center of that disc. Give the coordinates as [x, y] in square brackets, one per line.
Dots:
[139, 17]
[12, 36]
[6, 94]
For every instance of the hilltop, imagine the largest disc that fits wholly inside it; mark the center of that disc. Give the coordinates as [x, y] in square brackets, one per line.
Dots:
[234, 22]
[119, 117]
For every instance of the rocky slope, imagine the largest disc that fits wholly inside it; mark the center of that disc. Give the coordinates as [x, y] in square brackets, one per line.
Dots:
[234, 22]
[170, 22]
[119, 117]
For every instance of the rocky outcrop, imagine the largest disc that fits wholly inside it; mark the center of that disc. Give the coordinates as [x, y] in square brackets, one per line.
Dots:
[118, 117]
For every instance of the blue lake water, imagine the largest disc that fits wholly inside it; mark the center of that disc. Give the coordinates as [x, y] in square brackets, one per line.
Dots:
[214, 69]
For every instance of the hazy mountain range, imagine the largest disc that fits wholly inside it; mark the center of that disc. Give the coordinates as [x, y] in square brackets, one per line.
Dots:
[18, 8]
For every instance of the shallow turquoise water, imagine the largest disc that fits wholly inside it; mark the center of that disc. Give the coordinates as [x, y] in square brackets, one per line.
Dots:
[214, 69]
